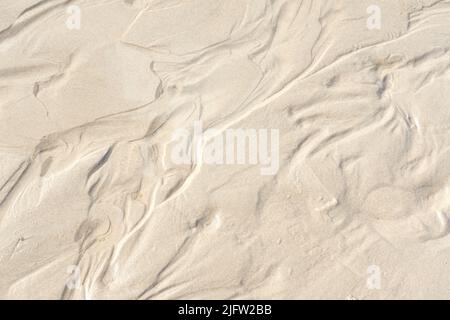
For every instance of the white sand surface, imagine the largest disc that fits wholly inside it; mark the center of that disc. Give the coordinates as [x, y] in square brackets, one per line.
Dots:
[340, 186]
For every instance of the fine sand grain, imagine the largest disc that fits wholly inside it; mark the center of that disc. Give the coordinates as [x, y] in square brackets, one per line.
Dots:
[224, 149]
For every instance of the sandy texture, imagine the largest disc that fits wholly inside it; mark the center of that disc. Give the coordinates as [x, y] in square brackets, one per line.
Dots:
[93, 205]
